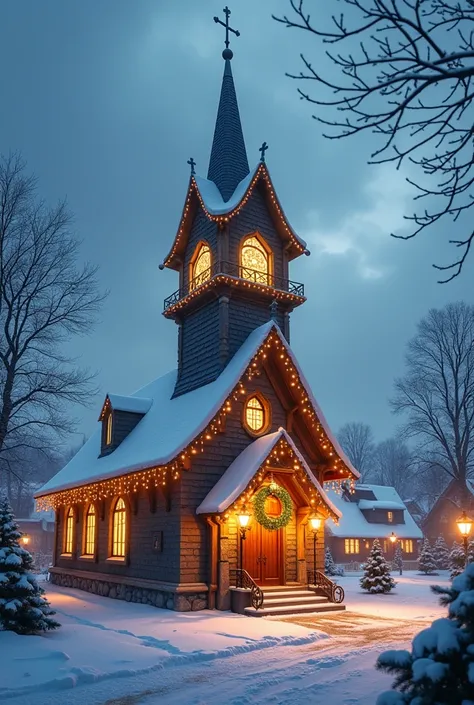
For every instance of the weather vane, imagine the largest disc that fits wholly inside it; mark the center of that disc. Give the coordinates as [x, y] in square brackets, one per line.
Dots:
[227, 53]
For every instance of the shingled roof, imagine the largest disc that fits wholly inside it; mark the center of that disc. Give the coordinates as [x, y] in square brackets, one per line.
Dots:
[228, 164]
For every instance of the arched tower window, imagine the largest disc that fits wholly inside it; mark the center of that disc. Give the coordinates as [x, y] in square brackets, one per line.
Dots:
[108, 429]
[89, 542]
[255, 260]
[119, 524]
[200, 266]
[69, 531]
[257, 415]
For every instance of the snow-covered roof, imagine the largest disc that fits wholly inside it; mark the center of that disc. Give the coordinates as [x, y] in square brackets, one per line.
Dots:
[173, 423]
[211, 196]
[354, 524]
[238, 475]
[380, 504]
[136, 405]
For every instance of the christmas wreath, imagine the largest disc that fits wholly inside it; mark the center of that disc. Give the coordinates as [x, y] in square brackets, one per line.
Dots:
[273, 523]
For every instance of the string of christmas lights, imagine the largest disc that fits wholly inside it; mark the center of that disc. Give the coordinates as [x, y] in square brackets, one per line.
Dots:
[162, 476]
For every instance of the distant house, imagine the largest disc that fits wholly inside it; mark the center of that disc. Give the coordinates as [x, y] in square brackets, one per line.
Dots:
[38, 530]
[416, 509]
[441, 519]
[370, 512]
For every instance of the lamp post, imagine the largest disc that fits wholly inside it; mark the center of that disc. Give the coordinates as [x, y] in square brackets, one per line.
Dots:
[244, 519]
[315, 522]
[464, 525]
[25, 539]
[393, 539]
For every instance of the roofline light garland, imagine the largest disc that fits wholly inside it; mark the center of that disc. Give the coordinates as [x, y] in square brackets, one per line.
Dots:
[161, 476]
[262, 171]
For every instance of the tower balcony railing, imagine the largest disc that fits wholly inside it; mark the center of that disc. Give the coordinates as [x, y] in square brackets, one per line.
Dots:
[236, 271]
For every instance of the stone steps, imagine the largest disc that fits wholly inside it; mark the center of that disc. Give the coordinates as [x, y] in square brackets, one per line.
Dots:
[292, 599]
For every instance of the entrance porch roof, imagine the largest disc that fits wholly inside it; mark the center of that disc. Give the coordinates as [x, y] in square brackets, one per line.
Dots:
[243, 469]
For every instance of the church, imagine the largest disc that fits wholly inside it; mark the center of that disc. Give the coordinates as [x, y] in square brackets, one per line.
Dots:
[207, 488]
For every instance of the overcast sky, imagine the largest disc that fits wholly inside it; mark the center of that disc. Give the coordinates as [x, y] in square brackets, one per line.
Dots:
[107, 99]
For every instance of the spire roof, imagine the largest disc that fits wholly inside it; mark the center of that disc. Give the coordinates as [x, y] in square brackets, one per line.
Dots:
[228, 164]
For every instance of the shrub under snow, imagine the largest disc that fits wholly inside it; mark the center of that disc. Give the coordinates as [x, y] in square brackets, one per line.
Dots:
[439, 669]
[23, 609]
[377, 578]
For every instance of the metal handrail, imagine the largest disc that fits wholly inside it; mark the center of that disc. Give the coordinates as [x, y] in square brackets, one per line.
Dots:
[317, 581]
[245, 580]
[232, 269]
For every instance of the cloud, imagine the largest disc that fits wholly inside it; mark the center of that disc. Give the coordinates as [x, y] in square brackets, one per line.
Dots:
[363, 234]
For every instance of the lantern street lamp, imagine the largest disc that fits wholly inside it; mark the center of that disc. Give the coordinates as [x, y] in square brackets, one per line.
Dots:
[244, 519]
[315, 522]
[393, 539]
[25, 539]
[464, 525]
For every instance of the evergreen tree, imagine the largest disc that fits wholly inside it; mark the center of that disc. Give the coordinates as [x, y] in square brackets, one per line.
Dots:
[426, 561]
[441, 554]
[398, 559]
[457, 560]
[23, 609]
[377, 578]
[438, 669]
[329, 565]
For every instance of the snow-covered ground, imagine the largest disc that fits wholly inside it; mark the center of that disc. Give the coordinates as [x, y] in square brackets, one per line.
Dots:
[121, 653]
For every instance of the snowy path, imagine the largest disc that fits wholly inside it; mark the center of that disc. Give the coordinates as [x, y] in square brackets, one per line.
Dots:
[114, 653]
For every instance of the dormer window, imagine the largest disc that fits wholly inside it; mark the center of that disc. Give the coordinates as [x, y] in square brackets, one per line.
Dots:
[108, 429]
[255, 260]
[390, 517]
[200, 267]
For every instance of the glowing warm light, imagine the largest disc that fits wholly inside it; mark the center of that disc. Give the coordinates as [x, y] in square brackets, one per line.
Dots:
[244, 520]
[89, 547]
[464, 524]
[119, 529]
[392, 537]
[200, 269]
[25, 539]
[255, 261]
[108, 431]
[69, 536]
[255, 414]
[315, 522]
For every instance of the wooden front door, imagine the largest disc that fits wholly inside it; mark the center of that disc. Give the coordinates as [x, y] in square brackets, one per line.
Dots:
[263, 549]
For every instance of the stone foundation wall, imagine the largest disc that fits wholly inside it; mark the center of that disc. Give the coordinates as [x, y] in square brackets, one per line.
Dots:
[158, 598]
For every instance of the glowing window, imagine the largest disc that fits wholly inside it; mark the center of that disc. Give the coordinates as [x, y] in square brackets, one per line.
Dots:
[255, 261]
[390, 517]
[89, 544]
[351, 546]
[407, 545]
[255, 414]
[108, 430]
[69, 531]
[200, 270]
[119, 529]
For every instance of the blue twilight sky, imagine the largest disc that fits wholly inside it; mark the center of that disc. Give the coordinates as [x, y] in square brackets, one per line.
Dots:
[107, 99]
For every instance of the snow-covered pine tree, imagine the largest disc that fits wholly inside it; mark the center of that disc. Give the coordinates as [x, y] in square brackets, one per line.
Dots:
[397, 562]
[426, 561]
[441, 554]
[457, 560]
[23, 609]
[470, 552]
[377, 578]
[439, 667]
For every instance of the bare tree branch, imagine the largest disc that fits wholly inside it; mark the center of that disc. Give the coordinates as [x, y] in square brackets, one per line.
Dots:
[357, 441]
[406, 75]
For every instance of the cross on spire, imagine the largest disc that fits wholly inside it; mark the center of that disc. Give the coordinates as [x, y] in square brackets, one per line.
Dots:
[192, 164]
[262, 151]
[227, 53]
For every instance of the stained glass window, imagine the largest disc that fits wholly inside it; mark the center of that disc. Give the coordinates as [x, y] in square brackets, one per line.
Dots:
[255, 414]
[255, 261]
[119, 529]
[89, 546]
[69, 531]
[201, 267]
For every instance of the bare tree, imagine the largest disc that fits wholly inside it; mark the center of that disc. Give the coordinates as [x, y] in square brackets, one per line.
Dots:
[393, 466]
[45, 300]
[404, 72]
[357, 441]
[437, 392]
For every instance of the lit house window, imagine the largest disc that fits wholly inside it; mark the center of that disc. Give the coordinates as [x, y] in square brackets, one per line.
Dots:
[108, 430]
[351, 546]
[255, 260]
[407, 545]
[119, 529]
[89, 544]
[390, 517]
[69, 531]
[200, 267]
[256, 414]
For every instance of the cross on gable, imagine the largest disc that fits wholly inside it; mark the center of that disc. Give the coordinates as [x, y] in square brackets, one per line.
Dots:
[227, 53]
[262, 151]
[192, 164]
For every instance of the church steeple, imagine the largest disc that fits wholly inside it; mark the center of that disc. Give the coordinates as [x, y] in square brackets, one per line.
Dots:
[228, 164]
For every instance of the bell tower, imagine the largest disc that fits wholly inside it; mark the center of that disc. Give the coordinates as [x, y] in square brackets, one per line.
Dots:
[232, 250]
